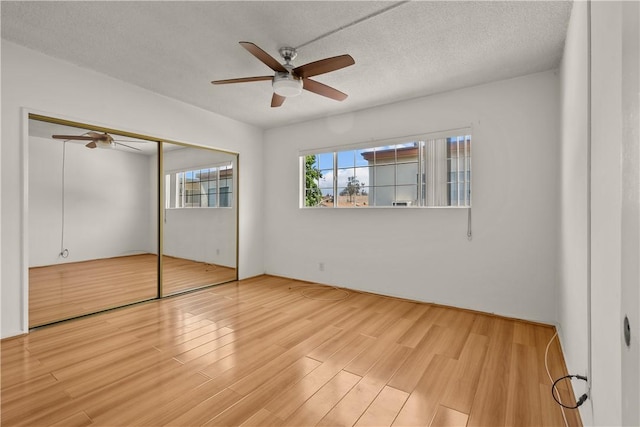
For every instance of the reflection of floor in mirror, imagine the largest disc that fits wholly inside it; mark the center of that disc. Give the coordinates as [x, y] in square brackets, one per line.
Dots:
[62, 291]
[182, 274]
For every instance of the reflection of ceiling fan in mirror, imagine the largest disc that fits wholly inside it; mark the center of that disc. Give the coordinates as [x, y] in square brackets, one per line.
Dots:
[97, 140]
[288, 80]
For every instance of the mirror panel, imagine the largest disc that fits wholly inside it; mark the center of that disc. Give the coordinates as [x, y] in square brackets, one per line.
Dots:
[92, 245]
[199, 219]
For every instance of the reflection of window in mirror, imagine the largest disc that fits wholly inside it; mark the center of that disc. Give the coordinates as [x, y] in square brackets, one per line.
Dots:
[206, 187]
[426, 171]
[200, 218]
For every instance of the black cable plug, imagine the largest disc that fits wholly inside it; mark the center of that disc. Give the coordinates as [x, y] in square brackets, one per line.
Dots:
[580, 401]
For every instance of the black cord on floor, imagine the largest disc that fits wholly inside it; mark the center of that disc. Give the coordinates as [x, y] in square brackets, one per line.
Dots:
[580, 401]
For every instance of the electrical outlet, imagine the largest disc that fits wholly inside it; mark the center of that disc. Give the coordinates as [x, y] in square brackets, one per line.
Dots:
[321, 266]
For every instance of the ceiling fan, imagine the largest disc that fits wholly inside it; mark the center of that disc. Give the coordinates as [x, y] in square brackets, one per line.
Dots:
[288, 80]
[96, 140]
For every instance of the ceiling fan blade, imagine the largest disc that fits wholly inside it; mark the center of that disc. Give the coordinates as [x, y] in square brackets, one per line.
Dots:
[242, 80]
[324, 90]
[323, 66]
[92, 144]
[277, 100]
[73, 137]
[128, 146]
[263, 56]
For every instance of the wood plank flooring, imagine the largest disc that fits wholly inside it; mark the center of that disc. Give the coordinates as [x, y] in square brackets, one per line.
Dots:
[68, 290]
[260, 353]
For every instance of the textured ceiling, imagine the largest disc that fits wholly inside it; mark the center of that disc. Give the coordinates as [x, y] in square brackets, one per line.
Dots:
[177, 48]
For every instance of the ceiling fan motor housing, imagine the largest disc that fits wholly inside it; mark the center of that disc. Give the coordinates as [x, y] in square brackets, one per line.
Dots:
[288, 53]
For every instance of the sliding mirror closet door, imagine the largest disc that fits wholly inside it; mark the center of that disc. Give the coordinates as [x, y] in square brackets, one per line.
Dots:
[199, 219]
[91, 215]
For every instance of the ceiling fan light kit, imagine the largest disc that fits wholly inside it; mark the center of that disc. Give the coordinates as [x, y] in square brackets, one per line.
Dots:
[106, 144]
[285, 84]
[289, 81]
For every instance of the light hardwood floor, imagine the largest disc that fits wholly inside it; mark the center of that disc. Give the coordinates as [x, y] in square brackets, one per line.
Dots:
[62, 291]
[261, 352]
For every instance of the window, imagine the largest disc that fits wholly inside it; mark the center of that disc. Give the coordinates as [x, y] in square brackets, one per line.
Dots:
[422, 172]
[208, 187]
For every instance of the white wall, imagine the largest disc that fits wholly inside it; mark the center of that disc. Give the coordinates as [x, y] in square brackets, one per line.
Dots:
[106, 211]
[508, 267]
[606, 128]
[572, 202]
[615, 239]
[35, 81]
[615, 220]
[206, 235]
[630, 262]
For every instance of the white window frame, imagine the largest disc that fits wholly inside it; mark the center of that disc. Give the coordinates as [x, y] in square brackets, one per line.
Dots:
[464, 186]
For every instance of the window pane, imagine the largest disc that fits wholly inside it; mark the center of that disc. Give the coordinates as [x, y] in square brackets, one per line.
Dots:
[313, 197]
[365, 200]
[363, 173]
[385, 155]
[366, 156]
[326, 178]
[361, 157]
[349, 189]
[384, 175]
[325, 160]
[312, 181]
[344, 199]
[407, 173]
[311, 162]
[406, 152]
[346, 158]
[211, 197]
[384, 196]
[225, 197]
[313, 175]
[327, 197]
[406, 195]
[225, 174]
[349, 197]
